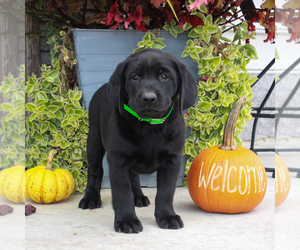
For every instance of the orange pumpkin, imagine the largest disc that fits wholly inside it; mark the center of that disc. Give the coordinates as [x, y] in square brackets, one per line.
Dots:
[227, 179]
[282, 181]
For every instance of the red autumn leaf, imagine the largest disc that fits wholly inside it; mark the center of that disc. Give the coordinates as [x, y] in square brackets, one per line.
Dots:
[113, 15]
[271, 30]
[157, 3]
[141, 27]
[118, 18]
[195, 21]
[114, 8]
[174, 2]
[295, 31]
[110, 18]
[136, 16]
[115, 26]
[251, 26]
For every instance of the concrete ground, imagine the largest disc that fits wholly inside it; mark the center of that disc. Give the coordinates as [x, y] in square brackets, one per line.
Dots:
[64, 226]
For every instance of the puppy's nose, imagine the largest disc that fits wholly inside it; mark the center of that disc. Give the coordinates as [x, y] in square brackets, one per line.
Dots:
[149, 97]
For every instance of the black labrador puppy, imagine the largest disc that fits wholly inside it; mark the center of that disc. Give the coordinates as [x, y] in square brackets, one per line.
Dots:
[137, 118]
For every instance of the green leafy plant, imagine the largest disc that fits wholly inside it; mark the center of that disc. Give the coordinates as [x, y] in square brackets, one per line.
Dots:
[57, 121]
[12, 126]
[174, 29]
[63, 52]
[150, 41]
[223, 79]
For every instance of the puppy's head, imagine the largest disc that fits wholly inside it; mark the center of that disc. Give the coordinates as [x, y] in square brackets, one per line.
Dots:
[149, 82]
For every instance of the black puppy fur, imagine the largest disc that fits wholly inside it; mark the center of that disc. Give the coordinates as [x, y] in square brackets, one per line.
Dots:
[149, 82]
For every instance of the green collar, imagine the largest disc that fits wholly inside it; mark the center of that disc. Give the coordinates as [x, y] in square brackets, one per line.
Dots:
[150, 120]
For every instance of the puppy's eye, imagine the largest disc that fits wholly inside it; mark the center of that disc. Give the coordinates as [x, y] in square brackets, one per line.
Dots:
[135, 77]
[164, 76]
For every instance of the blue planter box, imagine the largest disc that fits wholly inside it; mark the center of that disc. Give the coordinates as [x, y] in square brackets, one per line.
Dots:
[98, 52]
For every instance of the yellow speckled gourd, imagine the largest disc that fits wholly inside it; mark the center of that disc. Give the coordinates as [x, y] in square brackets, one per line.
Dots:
[12, 184]
[44, 185]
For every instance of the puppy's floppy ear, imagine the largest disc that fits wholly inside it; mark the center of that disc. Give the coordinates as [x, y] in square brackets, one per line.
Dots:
[187, 87]
[116, 87]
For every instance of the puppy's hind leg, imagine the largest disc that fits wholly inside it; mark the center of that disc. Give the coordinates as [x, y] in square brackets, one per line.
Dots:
[140, 200]
[95, 154]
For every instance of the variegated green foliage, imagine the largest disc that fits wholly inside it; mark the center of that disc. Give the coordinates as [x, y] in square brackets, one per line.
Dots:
[223, 79]
[57, 121]
[150, 41]
[12, 126]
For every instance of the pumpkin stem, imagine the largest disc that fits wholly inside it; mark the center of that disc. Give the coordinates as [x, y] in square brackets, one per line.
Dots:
[50, 158]
[228, 137]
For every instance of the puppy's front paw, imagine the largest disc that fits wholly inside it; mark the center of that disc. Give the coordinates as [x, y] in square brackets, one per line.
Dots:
[128, 226]
[169, 222]
[141, 201]
[90, 201]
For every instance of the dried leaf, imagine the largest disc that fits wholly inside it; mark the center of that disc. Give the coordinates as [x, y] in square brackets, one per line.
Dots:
[5, 209]
[220, 3]
[269, 4]
[73, 7]
[292, 4]
[29, 209]
[100, 4]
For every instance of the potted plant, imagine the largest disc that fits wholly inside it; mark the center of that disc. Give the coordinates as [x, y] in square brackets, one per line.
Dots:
[199, 24]
[141, 16]
[101, 24]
